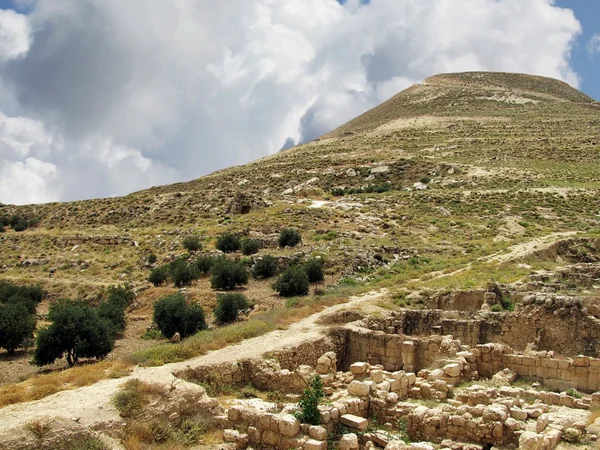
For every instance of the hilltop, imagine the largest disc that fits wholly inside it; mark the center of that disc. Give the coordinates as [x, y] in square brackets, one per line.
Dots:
[464, 185]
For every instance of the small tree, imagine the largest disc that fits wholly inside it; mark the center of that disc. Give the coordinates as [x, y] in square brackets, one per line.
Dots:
[309, 402]
[2, 230]
[265, 267]
[229, 306]
[77, 331]
[227, 275]
[229, 243]
[250, 246]
[289, 237]
[182, 273]
[204, 263]
[314, 269]
[113, 308]
[292, 282]
[152, 258]
[173, 314]
[16, 326]
[21, 225]
[159, 276]
[192, 243]
[4, 221]
[29, 295]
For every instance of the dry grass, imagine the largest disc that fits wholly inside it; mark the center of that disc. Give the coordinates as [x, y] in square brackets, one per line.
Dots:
[42, 386]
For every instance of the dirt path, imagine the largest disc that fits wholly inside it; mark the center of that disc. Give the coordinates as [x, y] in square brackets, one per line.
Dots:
[91, 405]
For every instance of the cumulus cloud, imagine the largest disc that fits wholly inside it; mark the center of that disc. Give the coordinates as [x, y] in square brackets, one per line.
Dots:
[14, 35]
[145, 92]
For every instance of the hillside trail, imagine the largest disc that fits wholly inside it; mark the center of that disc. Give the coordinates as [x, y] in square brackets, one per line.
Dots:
[91, 405]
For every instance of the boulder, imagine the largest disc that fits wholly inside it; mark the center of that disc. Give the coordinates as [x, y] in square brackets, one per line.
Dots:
[358, 388]
[348, 442]
[288, 425]
[531, 441]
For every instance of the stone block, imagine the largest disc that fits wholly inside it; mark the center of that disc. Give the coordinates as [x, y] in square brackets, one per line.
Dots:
[359, 368]
[288, 425]
[452, 370]
[313, 444]
[348, 442]
[317, 432]
[376, 376]
[355, 422]
[359, 389]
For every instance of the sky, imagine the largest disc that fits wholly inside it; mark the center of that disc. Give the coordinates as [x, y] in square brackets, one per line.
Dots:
[102, 98]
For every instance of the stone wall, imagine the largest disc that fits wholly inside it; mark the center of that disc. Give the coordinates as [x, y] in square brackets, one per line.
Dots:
[68, 241]
[549, 322]
[580, 372]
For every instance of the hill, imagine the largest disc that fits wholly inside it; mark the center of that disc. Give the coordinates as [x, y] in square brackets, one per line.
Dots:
[466, 183]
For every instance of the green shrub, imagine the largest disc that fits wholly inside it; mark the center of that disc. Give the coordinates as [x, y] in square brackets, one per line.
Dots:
[229, 243]
[182, 273]
[129, 400]
[289, 237]
[14, 220]
[4, 221]
[309, 402]
[112, 310]
[227, 275]
[29, 295]
[152, 258]
[21, 225]
[192, 243]
[2, 230]
[497, 308]
[173, 314]
[159, 276]
[292, 282]
[16, 326]
[250, 246]
[229, 306]
[76, 331]
[265, 267]
[314, 269]
[425, 180]
[204, 263]
[571, 392]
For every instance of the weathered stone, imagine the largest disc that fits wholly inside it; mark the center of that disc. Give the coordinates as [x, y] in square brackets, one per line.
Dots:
[317, 432]
[359, 368]
[313, 444]
[376, 376]
[348, 442]
[452, 370]
[355, 422]
[358, 388]
[288, 425]
[531, 441]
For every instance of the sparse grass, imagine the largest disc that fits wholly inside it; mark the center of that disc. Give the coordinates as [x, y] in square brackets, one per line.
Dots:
[43, 385]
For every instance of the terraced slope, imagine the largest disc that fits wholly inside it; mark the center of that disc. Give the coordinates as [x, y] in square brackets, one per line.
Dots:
[444, 174]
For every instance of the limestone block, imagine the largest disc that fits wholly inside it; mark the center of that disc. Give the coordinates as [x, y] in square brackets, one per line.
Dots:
[230, 435]
[392, 397]
[253, 435]
[376, 376]
[359, 389]
[270, 438]
[317, 432]
[542, 422]
[359, 368]
[495, 413]
[348, 442]
[313, 444]
[288, 425]
[396, 445]
[234, 413]
[513, 425]
[452, 370]
[355, 422]
[408, 347]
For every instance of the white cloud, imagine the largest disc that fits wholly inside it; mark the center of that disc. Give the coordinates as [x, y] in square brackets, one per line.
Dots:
[29, 181]
[14, 34]
[156, 91]
[594, 44]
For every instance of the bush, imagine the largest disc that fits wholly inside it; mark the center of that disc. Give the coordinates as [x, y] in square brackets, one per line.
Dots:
[152, 258]
[496, 308]
[192, 243]
[204, 263]
[21, 225]
[112, 310]
[4, 221]
[229, 243]
[250, 246]
[77, 331]
[309, 402]
[173, 314]
[16, 326]
[265, 267]
[2, 230]
[182, 273]
[292, 282]
[14, 220]
[29, 296]
[227, 275]
[314, 269]
[288, 237]
[229, 306]
[159, 276]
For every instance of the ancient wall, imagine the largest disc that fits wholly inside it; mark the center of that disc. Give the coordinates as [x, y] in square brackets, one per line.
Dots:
[550, 322]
